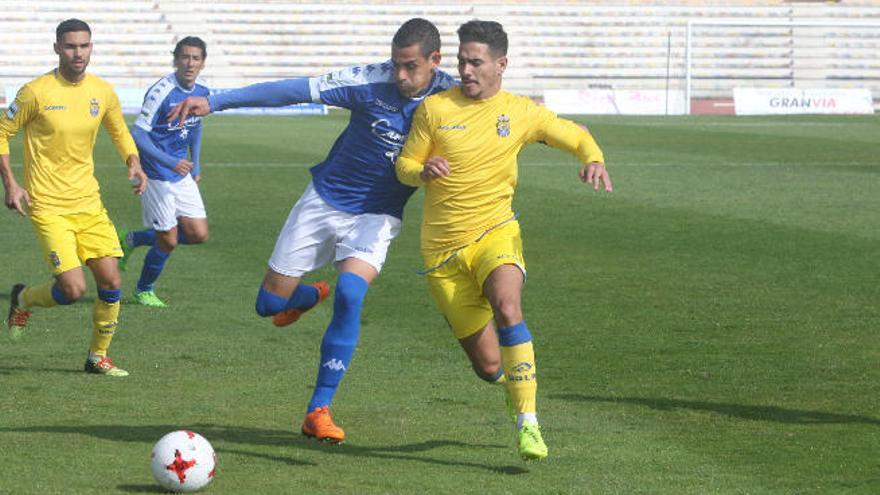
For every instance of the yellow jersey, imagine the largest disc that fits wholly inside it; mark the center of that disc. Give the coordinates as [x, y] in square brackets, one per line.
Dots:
[60, 121]
[481, 140]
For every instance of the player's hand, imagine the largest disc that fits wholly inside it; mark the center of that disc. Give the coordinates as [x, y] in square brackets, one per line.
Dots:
[197, 178]
[17, 199]
[594, 172]
[136, 175]
[435, 168]
[183, 167]
[193, 105]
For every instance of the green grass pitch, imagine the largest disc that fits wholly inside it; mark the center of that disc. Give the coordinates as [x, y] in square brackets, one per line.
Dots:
[709, 327]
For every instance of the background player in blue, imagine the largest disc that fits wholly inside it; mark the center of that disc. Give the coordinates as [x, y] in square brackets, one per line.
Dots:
[352, 209]
[173, 211]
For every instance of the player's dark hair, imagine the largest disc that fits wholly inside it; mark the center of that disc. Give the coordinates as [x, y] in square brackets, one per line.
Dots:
[488, 32]
[421, 31]
[190, 41]
[71, 26]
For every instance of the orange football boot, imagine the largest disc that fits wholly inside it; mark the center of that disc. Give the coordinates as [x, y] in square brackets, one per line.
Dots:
[289, 316]
[318, 424]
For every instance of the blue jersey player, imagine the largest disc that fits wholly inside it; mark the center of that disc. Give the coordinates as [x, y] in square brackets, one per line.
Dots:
[352, 208]
[172, 206]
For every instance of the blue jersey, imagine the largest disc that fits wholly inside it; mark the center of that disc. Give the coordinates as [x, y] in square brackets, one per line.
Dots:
[358, 174]
[161, 144]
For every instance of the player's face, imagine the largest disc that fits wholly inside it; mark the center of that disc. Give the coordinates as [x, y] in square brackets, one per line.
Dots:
[480, 72]
[412, 70]
[74, 50]
[188, 64]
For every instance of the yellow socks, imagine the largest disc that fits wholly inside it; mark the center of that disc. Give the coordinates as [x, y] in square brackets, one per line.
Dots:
[104, 318]
[518, 362]
[39, 296]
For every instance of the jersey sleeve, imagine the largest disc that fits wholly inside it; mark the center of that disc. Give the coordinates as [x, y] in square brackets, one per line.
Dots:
[268, 94]
[148, 149]
[20, 112]
[343, 88]
[150, 110]
[116, 127]
[195, 150]
[417, 149]
[563, 134]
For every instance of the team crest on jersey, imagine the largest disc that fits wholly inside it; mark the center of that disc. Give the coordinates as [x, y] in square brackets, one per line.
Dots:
[94, 107]
[503, 125]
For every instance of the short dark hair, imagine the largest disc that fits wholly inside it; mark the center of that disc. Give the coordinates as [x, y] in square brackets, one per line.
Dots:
[71, 26]
[190, 41]
[421, 31]
[488, 32]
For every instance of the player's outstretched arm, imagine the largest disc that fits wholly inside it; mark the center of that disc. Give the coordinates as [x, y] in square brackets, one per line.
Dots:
[193, 105]
[268, 94]
[16, 198]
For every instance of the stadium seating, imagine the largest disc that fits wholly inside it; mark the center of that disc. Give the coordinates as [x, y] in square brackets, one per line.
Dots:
[557, 44]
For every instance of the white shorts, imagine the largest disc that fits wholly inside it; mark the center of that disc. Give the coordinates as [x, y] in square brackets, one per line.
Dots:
[316, 233]
[163, 202]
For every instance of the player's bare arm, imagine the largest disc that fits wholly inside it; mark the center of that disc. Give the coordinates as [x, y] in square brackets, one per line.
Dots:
[16, 197]
[193, 105]
[435, 168]
[136, 175]
[593, 173]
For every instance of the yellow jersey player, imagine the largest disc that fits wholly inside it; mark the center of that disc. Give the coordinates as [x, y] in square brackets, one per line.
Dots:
[463, 146]
[60, 113]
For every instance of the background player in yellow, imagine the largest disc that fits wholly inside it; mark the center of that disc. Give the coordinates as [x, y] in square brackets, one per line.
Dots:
[463, 146]
[60, 113]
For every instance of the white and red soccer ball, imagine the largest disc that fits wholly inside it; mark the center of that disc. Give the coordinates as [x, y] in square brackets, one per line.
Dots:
[183, 461]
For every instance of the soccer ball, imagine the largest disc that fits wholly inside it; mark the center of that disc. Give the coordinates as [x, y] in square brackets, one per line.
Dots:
[183, 461]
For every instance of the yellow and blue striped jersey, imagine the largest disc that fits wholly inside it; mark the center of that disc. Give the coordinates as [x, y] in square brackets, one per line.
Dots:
[481, 140]
[60, 121]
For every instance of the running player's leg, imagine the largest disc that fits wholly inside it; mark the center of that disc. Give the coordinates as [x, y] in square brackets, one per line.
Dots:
[306, 243]
[98, 245]
[159, 213]
[500, 255]
[360, 254]
[56, 235]
[105, 316]
[192, 219]
[337, 346]
[192, 230]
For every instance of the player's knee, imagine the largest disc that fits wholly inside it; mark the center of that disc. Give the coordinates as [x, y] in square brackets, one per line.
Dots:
[350, 290]
[198, 237]
[507, 312]
[269, 304]
[488, 371]
[71, 291]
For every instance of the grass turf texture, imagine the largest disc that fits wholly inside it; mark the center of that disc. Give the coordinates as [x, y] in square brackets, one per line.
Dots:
[710, 327]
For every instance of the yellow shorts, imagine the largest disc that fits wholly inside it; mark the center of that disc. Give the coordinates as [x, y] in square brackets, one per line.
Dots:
[71, 239]
[457, 281]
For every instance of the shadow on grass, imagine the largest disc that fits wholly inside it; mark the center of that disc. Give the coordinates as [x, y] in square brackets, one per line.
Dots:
[8, 370]
[142, 489]
[755, 413]
[219, 434]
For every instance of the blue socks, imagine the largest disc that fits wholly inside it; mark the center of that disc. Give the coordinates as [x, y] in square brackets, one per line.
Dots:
[148, 237]
[59, 296]
[154, 262]
[337, 347]
[142, 237]
[110, 296]
[303, 297]
[514, 335]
